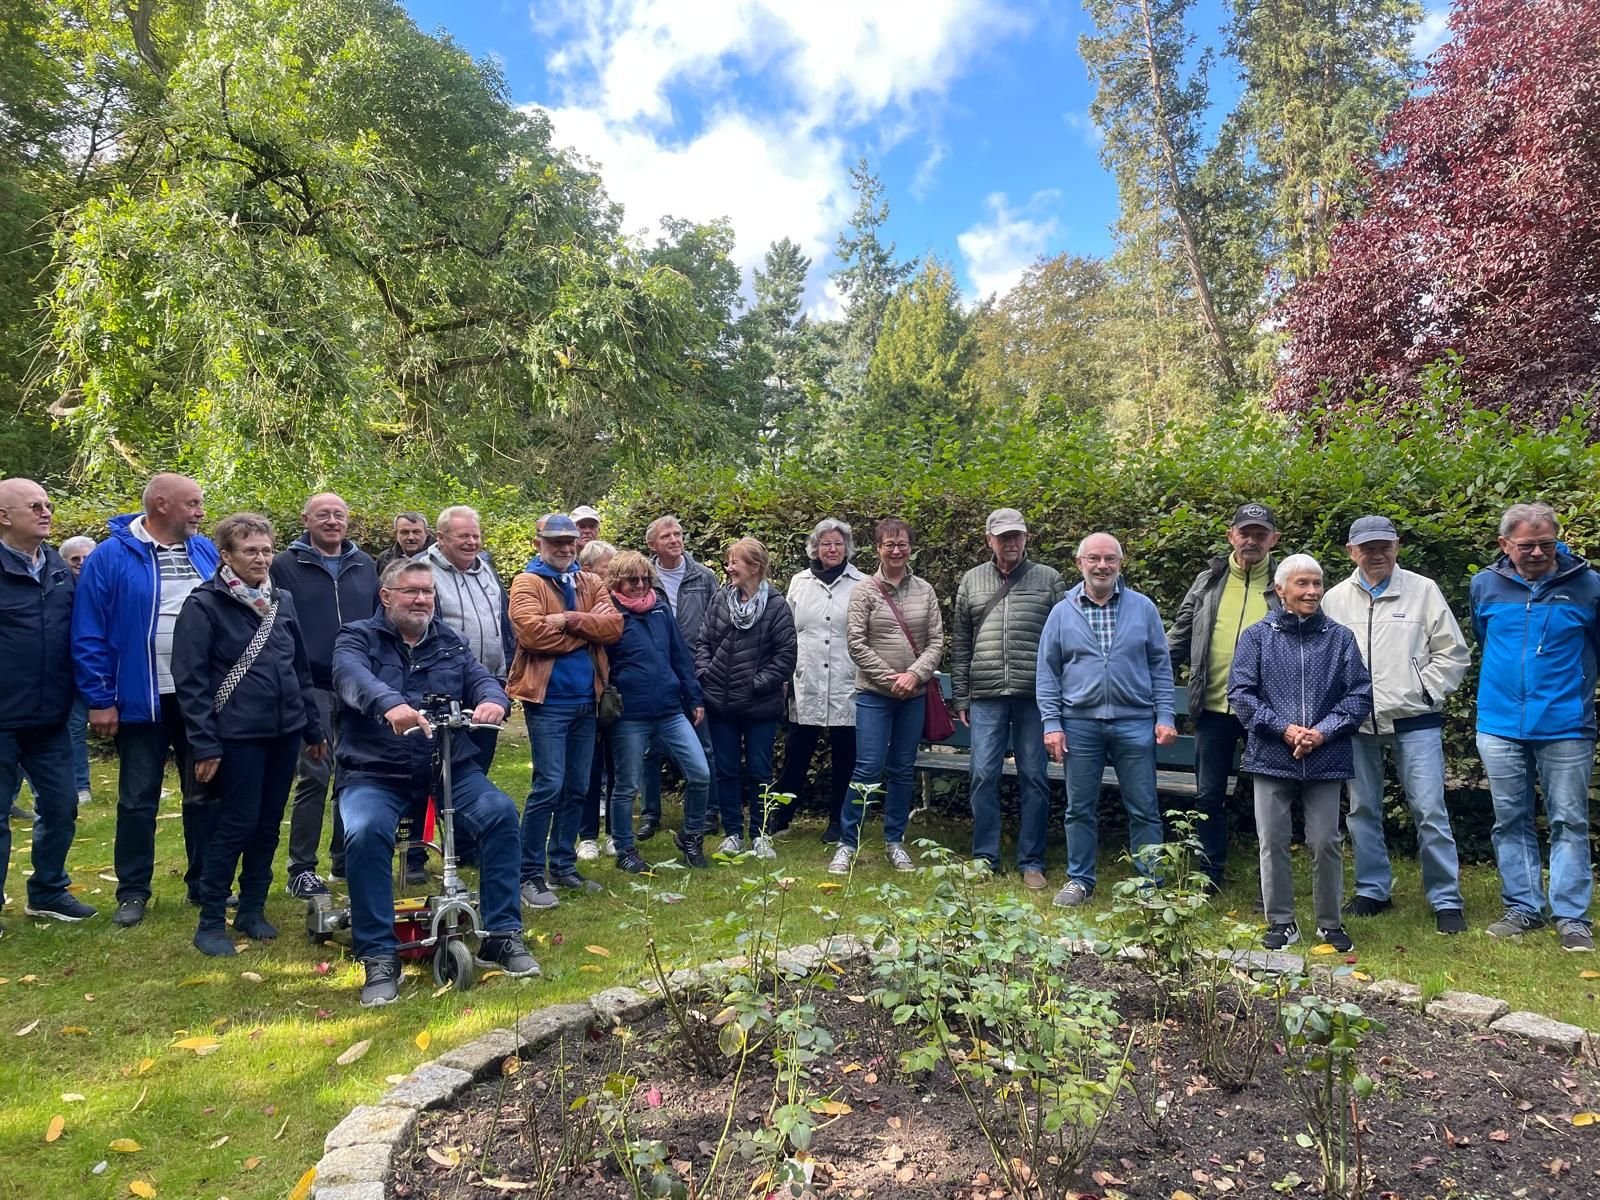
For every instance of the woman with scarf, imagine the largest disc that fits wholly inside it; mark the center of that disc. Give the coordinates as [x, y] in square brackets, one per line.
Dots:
[744, 657]
[653, 670]
[822, 698]
[242, 683]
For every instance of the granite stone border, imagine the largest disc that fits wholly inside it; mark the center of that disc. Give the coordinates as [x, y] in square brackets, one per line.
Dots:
[358, 1155]
[359, 1152]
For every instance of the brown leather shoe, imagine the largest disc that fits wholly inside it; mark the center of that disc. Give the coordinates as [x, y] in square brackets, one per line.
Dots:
[1033, 878]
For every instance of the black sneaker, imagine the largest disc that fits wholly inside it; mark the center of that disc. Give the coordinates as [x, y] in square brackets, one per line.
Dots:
[255, 925]
[214, 942]
[383, 982]
[1280, 936]
[306, 884]
[416, 878]
[632, 861]
[129, 913]
[1338, 939]
[505, 952]
[1450, 921]
[648, 824]
[1366, 906]
[692, 849]
[66, 907]
[575, 882]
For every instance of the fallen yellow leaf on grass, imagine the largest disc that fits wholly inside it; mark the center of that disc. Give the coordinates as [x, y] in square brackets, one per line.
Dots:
[831, 1108]
[74, 1030]
[126, 1146]
[251, 1163]
[53, 1130]
[1180, 1194]
[1360, 976]
[590, 968]
[449, 1157]
[145, 1064]
[423, 1039]
[140, 1188]
[72, 1097]
[1589, 974]
[197, 1044]
[219, 1143]
[1324, 948]
[600, 950]
[828, 885]
[355, 1052]
[303, 1188]
[1585, 1118]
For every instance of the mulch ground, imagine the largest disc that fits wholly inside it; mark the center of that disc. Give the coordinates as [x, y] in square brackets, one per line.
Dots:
[1456, 1114]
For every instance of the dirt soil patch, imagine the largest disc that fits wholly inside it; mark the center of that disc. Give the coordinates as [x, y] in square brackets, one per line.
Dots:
[1456, 1114]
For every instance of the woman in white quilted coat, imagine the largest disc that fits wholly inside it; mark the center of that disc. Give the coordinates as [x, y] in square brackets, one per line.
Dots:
[822, 692]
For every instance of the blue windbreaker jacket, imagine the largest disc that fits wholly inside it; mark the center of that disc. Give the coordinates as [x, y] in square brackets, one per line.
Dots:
[1537, 679]
[114, 621]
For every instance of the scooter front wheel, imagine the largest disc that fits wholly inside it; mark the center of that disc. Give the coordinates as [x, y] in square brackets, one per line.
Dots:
[453, 964]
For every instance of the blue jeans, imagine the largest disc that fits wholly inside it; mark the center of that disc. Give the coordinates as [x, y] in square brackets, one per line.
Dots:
[1129, 745]
[372, 808]
[888, 732]
[252, 783]
[45, 752]
[562, 740]
[1013, 721]
[650, 786]
[142, 749]
[742, 748]
[630, 741]
[1562, 770]
[1419, 758]
[1217, 737]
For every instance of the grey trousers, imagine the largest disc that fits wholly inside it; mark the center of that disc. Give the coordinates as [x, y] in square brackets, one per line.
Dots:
[1274, 821]
[311, 798]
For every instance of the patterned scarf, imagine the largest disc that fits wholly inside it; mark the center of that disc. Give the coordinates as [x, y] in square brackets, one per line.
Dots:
[258, 599]
[746, 613]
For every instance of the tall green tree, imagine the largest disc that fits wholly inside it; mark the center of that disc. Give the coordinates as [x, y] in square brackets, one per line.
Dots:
[1320, 79]
[794, 389]
[1152, 115]
[919, 380]
[867, 277]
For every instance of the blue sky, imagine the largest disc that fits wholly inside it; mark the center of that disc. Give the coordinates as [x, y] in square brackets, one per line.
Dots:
[973, 112]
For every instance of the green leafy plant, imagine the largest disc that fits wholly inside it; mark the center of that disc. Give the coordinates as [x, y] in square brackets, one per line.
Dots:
[1320, 1038]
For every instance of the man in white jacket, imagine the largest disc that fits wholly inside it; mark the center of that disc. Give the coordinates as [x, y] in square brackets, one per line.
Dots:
[1414, 649]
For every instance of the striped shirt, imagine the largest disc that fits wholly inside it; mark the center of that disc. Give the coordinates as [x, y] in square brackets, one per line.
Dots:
[1102, 618]
[177, 579]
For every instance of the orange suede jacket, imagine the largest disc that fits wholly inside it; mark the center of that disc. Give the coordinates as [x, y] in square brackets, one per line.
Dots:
[594, 624]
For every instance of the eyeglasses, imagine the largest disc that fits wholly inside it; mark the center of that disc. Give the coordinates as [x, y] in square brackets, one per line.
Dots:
[1533, 547]
[412, 593]
[1094, 560]
[894, 545]
[37, 507]
[330, 514]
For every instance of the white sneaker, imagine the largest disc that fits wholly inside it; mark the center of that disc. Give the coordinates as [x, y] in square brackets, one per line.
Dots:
[611, 847]
[842, 858]
[898, 858]
[763, 848]
[588, 850]
[731, 845]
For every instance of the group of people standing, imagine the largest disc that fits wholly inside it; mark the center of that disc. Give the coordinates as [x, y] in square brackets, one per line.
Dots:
[258, 670]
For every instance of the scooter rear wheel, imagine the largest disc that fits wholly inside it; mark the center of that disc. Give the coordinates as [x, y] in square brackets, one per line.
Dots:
[453, 964]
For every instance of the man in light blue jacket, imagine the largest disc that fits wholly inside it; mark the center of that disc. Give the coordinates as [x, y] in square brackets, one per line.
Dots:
[1105, 695]
[129, 595]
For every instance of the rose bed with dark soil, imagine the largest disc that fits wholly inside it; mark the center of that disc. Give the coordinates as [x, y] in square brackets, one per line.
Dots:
[1456, 1114]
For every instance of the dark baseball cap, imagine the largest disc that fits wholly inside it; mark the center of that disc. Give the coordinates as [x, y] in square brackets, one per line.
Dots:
[1253, 514]
[557, 525]
[1373, 529]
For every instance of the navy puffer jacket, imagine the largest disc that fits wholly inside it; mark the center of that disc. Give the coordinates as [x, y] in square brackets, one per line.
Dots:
[36, 642]
[1289, 670]
[743, 671]
[652, 667]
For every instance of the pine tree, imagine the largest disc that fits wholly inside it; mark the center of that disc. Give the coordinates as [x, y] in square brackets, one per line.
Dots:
[867, 277]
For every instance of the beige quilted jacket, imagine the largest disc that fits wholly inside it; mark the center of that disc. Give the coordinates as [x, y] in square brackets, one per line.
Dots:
[878, 647]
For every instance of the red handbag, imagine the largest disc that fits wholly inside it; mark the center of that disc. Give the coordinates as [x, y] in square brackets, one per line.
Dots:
[937, 724]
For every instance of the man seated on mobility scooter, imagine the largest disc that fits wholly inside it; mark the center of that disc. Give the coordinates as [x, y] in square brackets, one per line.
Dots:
[385, 669]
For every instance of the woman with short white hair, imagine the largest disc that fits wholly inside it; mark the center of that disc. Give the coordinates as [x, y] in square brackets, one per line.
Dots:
[1300, 689]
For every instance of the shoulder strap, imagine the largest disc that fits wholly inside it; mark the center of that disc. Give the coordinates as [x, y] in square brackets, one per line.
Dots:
[1000, 594]
[899, 616]
[240, 669]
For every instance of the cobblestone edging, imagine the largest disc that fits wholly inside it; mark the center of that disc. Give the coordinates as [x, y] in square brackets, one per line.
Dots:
[359, 1152]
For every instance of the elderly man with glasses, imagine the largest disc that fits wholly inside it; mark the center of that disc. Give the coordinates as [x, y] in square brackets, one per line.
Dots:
[1536, 613]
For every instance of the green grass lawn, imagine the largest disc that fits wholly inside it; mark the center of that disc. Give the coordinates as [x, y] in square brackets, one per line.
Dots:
[89, 1014]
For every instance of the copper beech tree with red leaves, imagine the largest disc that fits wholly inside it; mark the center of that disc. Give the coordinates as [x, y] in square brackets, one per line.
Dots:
[1481, 236]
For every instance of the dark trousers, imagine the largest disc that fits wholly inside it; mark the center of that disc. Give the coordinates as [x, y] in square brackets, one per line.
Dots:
[743, 754]
[142, 749]
[1217, 737]
[252, 788]
[45, 753]
[602, 782]
[311, 798]
[799, 748]
[484, 743]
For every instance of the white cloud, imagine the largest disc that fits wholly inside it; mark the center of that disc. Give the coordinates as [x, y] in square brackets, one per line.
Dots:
[783, 93]
[922, 182]
[998, 250]
[1084, 125]
[1432, 31]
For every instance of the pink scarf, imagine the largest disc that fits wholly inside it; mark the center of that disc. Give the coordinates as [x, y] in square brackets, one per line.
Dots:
[638, 605]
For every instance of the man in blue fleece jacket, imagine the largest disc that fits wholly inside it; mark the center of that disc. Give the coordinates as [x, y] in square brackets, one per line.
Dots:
[1105, 695]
